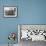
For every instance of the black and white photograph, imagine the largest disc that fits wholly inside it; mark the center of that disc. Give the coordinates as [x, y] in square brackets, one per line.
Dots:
[10, 11]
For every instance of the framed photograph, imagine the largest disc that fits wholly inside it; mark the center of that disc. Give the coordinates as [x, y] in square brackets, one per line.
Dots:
[10, 11]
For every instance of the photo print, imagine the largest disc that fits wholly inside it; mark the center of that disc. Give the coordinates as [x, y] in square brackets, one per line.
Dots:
[10, 11]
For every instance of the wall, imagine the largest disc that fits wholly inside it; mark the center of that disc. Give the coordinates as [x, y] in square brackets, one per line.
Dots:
[29, 12]
[7, 25]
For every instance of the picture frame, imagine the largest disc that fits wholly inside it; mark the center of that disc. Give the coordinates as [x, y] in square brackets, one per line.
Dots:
[10, 11]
